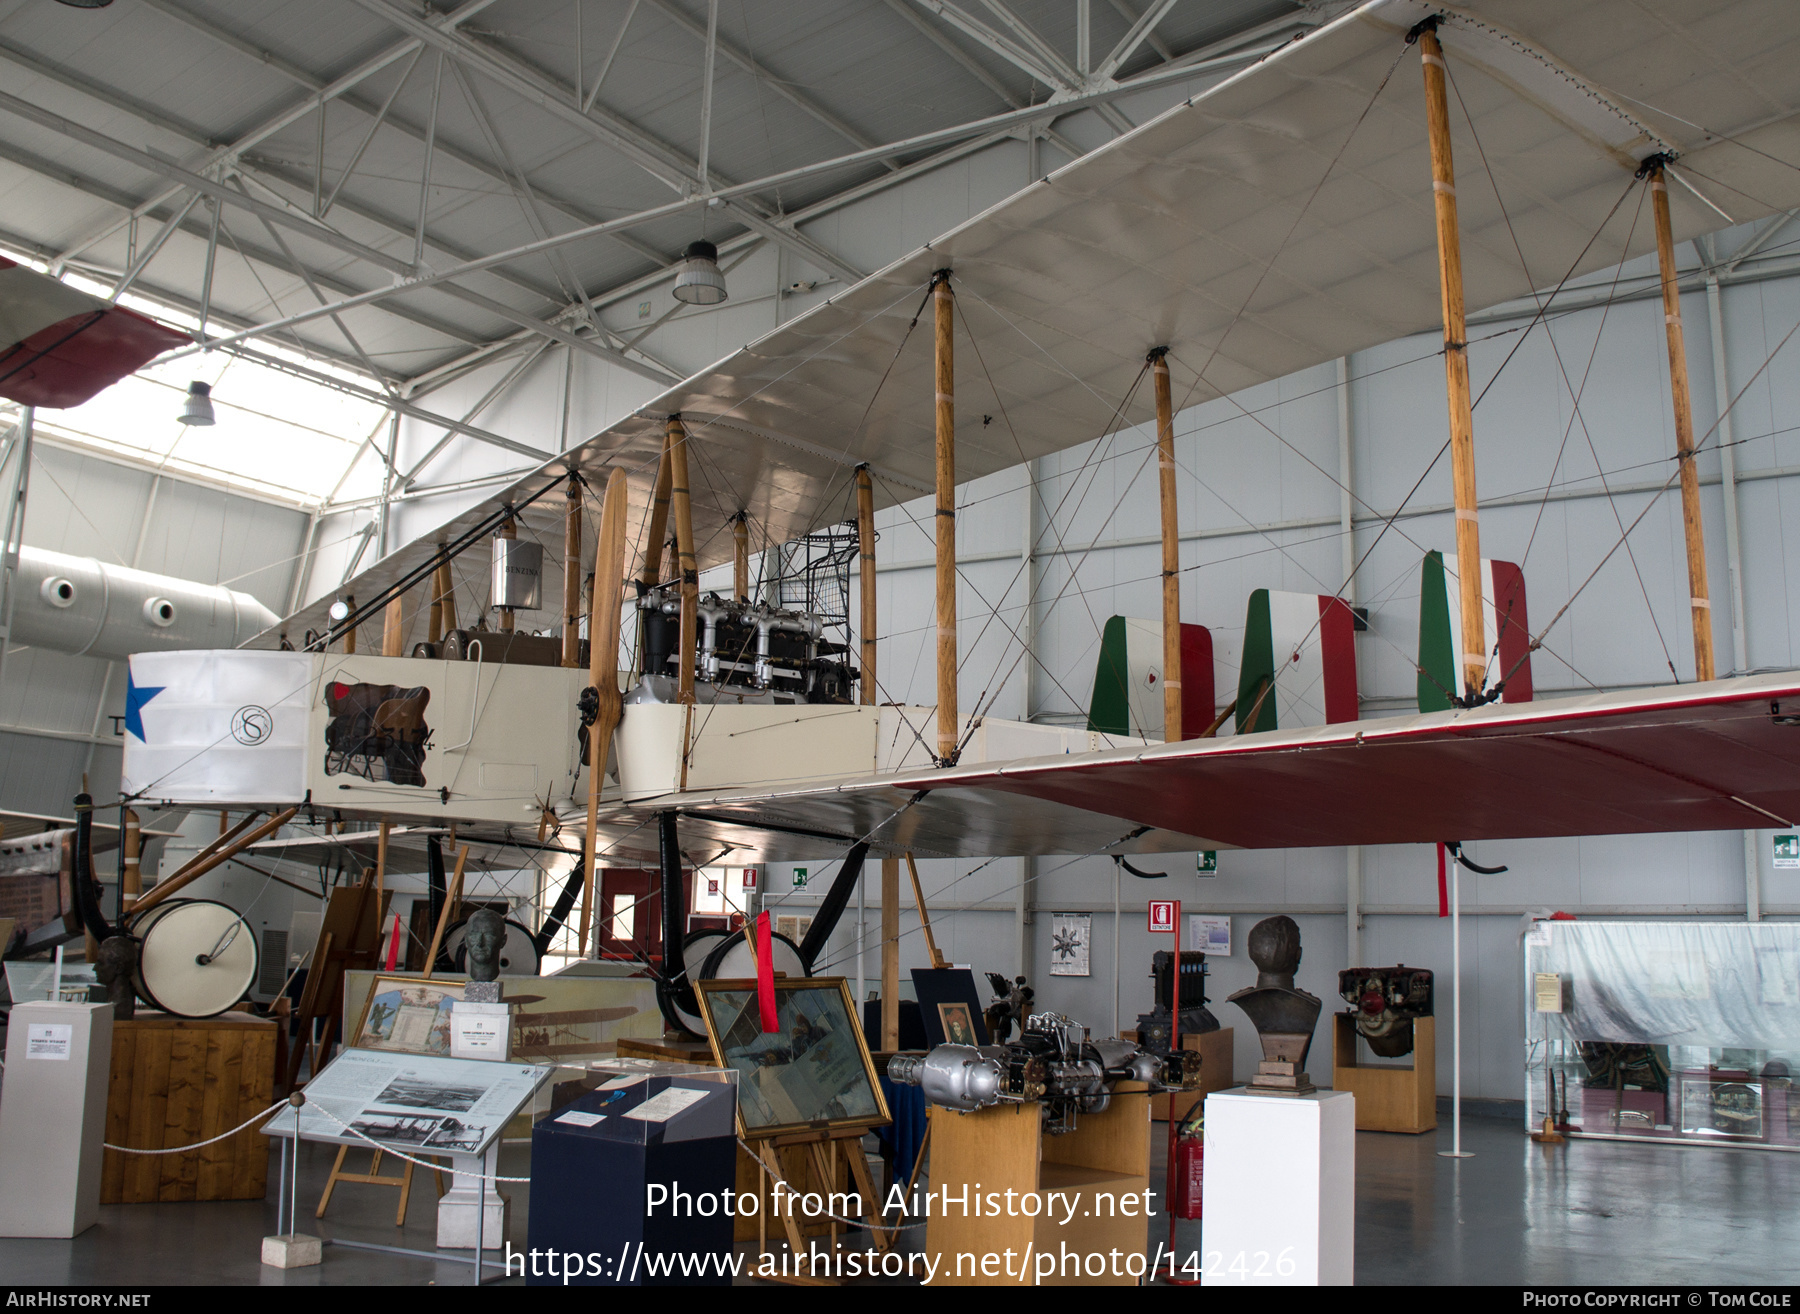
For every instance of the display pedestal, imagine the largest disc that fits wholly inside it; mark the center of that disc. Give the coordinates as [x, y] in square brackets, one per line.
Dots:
[1389, 1098]
[53, 1119]
[591, 1173]
[1280, 1190]
[1003, 1148]
[456, 1220]
[179, 1081]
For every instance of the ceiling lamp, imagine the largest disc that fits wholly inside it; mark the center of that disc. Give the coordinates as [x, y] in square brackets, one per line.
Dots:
[198, 407]
[699, 282]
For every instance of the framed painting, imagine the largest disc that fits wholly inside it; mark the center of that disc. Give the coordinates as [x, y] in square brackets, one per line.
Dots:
[949, 1005]
[812, 1072]
[407, 1015]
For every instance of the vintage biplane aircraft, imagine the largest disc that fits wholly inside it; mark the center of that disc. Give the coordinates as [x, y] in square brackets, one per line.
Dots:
[1301, 209]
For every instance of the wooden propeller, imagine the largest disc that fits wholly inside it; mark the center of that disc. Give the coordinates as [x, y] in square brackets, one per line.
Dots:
[603, 670]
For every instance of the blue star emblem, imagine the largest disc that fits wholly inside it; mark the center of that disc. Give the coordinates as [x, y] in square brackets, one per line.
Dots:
[136, 695]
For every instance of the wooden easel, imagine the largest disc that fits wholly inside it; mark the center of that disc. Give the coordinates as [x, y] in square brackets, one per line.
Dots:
[349, 939]
[912, 870]
[820, 1151]
[375, 1177]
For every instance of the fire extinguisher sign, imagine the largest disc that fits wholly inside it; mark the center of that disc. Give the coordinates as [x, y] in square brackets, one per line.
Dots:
[1162, 916]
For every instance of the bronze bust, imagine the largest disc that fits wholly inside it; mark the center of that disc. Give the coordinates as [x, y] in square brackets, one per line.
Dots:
[1284, 1016]
[484, 935]
[114, 968]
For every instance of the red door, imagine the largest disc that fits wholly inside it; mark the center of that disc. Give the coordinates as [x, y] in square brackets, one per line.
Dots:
[631, 912]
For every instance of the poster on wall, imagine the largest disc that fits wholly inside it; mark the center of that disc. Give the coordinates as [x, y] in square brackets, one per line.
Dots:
[1071, 938]
[1208, 935]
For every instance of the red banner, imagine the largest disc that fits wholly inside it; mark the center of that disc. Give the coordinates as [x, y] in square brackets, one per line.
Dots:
[765, 973]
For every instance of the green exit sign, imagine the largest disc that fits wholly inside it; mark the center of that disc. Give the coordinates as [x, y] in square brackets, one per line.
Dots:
[1787, 851]
[1207, 862]
[799, 877]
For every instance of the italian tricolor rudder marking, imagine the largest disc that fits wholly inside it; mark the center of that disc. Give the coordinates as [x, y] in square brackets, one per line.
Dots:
[1440, 631]
[1306, 644]
[1128, 691]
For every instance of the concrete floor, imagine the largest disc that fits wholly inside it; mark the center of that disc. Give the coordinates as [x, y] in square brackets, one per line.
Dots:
[1589, 1213]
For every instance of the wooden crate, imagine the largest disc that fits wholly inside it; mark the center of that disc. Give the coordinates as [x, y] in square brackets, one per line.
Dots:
[1389, 1098]
[177, 1081]
[1216, 1071]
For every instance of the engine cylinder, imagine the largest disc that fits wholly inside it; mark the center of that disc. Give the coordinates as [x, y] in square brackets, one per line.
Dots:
[955, 1076]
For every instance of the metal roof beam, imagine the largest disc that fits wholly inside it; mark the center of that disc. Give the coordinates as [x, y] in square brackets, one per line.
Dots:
[780, 86]
[268, 173]
[1036, 57]
[61, 173]
[998, 124]
[506, 381]
[1140, 31]
[302, 78]
[1155, 42]
[292, 114]
[317, 232]
[194, 137]
[982, 34]
[1051, 57]
[656, 157]
[934, 34]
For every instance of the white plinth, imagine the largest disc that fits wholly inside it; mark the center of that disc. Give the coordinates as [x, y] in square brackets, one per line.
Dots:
[1279, 1199]
[53, 1119]
[456, 1216]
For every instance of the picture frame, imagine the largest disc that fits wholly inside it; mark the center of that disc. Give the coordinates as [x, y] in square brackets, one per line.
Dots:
[813, 1074]
[407, 1015]
[950, 1006]
[1071, 944]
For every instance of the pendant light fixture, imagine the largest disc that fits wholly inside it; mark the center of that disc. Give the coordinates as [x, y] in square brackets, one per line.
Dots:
[699, 282]
[198, 408]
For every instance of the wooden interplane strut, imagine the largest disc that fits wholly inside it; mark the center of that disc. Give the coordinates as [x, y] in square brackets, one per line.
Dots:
[944, 308]
[1699, 601]
[571, 636]
[1456, 365]
[890, 954]
[1171, 546]
[865, 542]
[740, 558]
[681, 503]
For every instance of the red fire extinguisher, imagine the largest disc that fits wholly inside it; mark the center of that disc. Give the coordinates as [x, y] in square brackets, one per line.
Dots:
[1190, 1149]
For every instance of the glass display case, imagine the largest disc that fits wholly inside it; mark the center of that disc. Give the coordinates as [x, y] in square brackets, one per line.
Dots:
[1675, 1031]
[570, 1082]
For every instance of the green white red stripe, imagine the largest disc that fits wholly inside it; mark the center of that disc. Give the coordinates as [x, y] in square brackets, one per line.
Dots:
[1503, 621]
[1128, 679]
[1304, 644]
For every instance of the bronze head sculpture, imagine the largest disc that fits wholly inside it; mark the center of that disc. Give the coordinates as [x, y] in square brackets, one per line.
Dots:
[114, 968]
[1283, 1015]
[483, 936]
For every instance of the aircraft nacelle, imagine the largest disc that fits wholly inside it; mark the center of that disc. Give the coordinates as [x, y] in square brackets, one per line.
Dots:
[493, 745]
